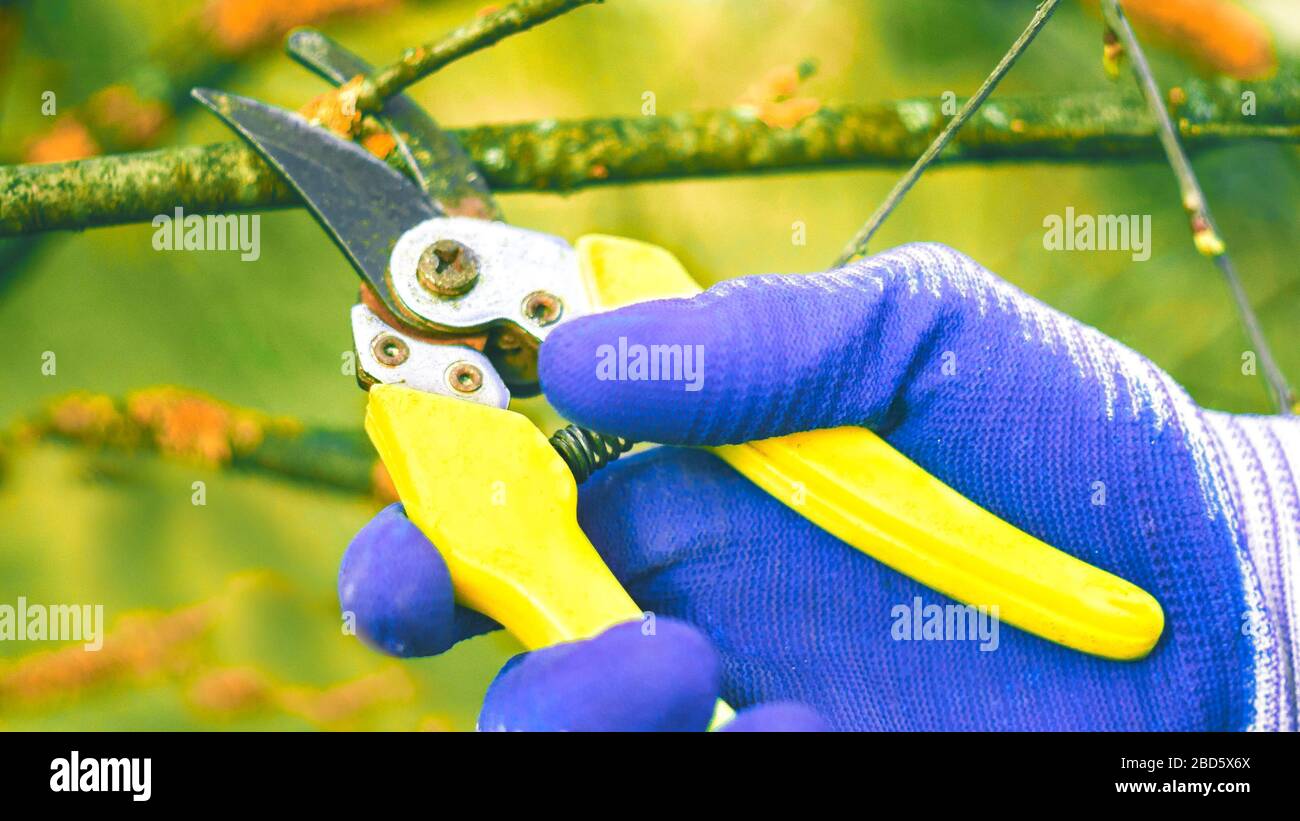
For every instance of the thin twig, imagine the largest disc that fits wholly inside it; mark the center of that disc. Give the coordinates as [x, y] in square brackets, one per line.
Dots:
[1205, 232]
[567, 155]
[484, 31]
[858, 246]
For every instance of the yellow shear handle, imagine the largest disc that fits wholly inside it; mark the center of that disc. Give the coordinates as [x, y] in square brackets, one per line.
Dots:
[852, 484]
[489, 490]
[500, 504]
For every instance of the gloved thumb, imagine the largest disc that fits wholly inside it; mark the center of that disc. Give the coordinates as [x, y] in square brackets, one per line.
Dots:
[919, 343]
[396, 593]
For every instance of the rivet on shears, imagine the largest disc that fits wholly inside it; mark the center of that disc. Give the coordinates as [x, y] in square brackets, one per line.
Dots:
[543, 307]
[390, 350]
[464, 377]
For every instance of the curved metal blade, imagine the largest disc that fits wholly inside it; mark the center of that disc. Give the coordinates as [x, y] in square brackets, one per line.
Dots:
[434, 157]
[362, 203]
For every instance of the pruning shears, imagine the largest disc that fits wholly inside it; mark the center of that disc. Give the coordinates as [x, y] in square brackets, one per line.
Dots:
[454, 305]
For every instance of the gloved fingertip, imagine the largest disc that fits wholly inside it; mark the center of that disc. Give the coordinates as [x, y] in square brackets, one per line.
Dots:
[597, 370]
[628, 679]
[395, 589]
[777, 717]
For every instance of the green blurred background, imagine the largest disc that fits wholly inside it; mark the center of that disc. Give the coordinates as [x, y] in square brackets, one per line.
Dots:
[225, 615]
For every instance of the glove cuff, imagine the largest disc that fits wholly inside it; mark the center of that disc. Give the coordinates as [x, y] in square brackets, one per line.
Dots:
[1261, 460]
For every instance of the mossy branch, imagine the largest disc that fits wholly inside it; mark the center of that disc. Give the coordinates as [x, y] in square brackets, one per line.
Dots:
[192, 427]
[562, 156]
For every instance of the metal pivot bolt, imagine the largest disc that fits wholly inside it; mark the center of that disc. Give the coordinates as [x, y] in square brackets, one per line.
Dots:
[447, 268]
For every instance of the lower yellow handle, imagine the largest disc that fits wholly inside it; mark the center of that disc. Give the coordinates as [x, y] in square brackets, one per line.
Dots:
[489, 490]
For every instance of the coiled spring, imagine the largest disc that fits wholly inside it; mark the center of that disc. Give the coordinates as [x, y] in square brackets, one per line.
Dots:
[586, 451]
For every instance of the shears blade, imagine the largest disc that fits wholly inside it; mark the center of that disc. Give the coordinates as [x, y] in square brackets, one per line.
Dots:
[362, 203]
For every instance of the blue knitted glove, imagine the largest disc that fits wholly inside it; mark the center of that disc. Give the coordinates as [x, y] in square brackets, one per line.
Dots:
[1046, 423]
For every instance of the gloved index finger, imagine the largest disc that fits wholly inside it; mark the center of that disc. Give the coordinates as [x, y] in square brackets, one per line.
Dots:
[748, 359]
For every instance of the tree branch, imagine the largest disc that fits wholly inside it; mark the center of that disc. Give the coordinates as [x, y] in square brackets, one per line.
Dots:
[560, 156]
[192, 427]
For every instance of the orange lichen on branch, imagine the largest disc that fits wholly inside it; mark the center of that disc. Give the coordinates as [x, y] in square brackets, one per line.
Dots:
[178, 422]
[232, 691]
[90, 417]
[238, 25]
[227, 693]
[148, 647]
[192, 425]
[196, 428]
[336, 110]
[379, 143]
[1219, 34]
[342, 702]
[140, 646]
[773, 98]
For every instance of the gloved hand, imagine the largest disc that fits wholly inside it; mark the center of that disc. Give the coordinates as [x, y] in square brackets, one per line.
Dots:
[1043, 421]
